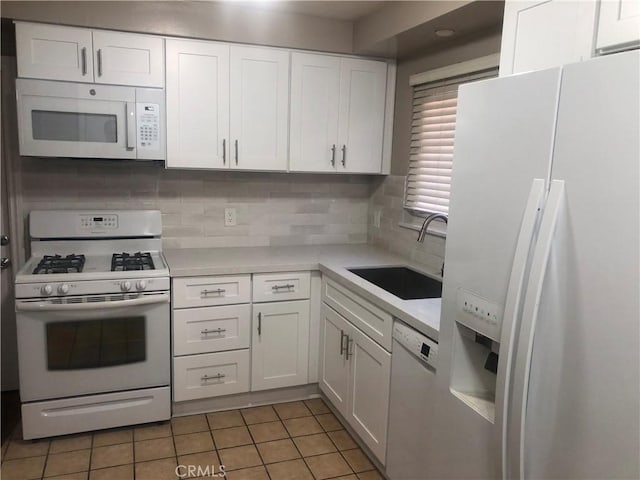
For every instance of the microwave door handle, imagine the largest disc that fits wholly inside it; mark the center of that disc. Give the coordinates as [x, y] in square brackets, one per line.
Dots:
[130, 125]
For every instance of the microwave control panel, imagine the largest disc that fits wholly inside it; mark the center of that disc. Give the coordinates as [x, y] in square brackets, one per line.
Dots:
[148, 121]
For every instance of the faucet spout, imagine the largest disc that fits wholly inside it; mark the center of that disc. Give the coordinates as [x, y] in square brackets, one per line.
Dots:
[427, 222]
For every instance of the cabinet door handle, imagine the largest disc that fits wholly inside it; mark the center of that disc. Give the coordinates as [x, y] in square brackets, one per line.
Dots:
[333, 155]
[224, 151]
[217, 291]
[349, 351]
[218, 376]
[342, 337]
[206, 331]
[259, 323]
[277, 288]
[344, 155]
[236, 152]
[83, 57]
[99, 62]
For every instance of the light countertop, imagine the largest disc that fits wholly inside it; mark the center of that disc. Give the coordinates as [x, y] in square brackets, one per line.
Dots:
[331, 260]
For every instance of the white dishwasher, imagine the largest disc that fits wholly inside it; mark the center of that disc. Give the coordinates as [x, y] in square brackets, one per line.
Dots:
[411, 402]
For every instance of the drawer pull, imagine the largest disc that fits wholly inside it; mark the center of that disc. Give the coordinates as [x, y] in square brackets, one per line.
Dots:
[205, 378]
[259, 323]
[206, 331]
[277, 288]
[217, 291]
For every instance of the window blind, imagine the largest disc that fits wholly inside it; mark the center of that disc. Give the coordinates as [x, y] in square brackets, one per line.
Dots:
[432, 140]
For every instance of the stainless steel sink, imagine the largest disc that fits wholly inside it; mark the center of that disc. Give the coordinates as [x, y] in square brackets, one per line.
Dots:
[402, 282]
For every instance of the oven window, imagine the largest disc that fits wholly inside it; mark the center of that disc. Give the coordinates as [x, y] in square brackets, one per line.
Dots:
[74, 126]
[95, 343]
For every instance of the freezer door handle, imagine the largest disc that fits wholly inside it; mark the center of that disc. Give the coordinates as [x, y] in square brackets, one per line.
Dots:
[511, 310]
[527, 328]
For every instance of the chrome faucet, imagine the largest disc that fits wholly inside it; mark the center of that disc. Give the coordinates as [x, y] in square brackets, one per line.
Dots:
[427, 221]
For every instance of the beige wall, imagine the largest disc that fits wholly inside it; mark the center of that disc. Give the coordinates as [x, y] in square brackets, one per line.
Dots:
[463, 50]
[207, 20]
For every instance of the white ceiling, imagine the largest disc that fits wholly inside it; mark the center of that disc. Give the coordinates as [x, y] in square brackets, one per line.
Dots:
[335, 9]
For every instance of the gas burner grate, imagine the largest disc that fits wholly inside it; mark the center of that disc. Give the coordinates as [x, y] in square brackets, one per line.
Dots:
[121, 262]
[59, 264]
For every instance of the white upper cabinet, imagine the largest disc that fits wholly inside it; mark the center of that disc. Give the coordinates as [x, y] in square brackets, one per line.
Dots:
[361, 125]
[544, 34]
[259, 115]
[315, 100]
[128, 59]
[81, 55]
[54, 52]
[337, 114]
[197, 104]
[618, 25]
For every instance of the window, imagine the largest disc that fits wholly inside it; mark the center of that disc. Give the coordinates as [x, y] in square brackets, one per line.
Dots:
[435, 100]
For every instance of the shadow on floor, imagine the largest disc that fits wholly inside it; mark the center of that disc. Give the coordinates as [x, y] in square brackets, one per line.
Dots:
[10, 402]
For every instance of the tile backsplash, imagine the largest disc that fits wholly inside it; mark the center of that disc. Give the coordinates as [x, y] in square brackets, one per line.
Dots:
[387, 198]
[272, 208]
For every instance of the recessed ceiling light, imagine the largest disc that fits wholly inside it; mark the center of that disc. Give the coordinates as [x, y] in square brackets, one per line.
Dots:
[445, 32]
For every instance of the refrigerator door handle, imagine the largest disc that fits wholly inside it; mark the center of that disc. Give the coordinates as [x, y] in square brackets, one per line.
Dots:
[512, 311]
[522, 366]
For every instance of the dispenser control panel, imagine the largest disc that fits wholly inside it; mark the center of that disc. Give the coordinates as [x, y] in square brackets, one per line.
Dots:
[479, 314]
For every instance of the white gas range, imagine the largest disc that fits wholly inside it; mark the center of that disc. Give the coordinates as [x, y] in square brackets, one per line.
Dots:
[92, 313]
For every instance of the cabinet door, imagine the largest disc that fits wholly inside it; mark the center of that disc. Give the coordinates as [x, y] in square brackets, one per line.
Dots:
[361, 126]
[618, 25]
[259, 108]
[369, 383]
[280, 345]
[315, 97]
[334, 366]
[543, 34]
[128, 59]
[197, 104]
[53, 52]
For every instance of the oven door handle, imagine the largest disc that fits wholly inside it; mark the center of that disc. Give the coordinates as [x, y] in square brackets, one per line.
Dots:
[75, 307]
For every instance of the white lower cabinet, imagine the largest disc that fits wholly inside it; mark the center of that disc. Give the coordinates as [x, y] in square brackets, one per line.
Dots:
[280, 345]
[334, 368]
[210, 375]
[211, 329]
[355, 377]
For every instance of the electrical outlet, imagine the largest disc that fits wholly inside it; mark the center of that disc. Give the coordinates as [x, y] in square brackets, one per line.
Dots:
[230, 217]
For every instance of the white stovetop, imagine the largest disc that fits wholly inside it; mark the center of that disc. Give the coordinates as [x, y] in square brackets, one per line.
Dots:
[332, 260]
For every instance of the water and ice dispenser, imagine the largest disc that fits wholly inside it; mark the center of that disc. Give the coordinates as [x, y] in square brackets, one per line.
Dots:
[476, 349]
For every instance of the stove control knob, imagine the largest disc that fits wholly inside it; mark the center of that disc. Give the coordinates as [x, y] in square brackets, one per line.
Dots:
[141, 285]
[46, 290]
[63, 289]
[125, 286]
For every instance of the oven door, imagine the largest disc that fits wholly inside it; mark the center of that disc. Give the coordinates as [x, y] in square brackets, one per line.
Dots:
[76, 120]
[84, 345]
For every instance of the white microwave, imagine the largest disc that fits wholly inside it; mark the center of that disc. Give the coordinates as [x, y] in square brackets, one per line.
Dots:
[60, 119]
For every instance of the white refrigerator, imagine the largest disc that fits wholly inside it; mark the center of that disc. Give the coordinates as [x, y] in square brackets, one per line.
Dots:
[539, 355]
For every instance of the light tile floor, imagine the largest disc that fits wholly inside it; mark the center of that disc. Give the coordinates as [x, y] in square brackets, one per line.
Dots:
[286, 441]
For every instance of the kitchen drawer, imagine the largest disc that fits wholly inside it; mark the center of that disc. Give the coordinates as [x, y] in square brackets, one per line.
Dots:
[211, 329]
[373, 321]
[211, 291]
[210, 375]
[272, 287]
